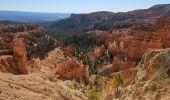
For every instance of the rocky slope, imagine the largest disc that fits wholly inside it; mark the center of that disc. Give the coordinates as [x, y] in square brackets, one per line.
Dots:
[35, 86]
[152, 80]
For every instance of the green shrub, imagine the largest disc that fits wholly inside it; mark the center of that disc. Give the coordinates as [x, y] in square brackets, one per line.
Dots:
[93, 94]
[119, 81]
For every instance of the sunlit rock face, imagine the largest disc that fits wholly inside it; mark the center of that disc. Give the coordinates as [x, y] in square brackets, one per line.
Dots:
[69, 51]
[7, 64]
[134, 42]
[99, 52]
[20, 55]
[141, 42]
[70, 69]
[144, 37]
[57, 65]
[164, 23]
[17, 62]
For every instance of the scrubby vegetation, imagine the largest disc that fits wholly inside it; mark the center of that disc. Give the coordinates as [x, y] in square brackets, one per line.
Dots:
[93, 94]
[103, 86]
[43, 52]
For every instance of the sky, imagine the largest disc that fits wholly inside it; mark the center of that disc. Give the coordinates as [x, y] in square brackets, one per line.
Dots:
[77, 6]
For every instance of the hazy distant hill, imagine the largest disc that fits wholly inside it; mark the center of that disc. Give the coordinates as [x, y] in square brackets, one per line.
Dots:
[106, 20]
[18, 16]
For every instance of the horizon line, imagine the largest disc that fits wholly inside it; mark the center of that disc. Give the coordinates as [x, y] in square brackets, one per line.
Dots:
[26, 11]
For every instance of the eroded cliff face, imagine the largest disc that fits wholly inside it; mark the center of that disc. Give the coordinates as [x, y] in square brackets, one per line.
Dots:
[134, 44]
[145, 37]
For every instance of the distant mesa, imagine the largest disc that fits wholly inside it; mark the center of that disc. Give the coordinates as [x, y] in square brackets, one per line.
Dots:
[107, 20]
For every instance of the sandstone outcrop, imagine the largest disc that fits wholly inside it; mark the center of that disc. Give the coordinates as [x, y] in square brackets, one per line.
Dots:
[148, 36]
[48, 65]
[69, 69]
[7, 64]
[154, 62]
[116, 64]
[35, 86]
[131, 47]
[17, 62]
[56, 64]
[152, 77]
[20, 55]
[113, 48]
[99, 52]
[69, 51]
[143, 39]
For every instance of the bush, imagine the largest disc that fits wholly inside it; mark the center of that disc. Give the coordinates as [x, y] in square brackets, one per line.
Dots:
[119, 81]
[93, 94]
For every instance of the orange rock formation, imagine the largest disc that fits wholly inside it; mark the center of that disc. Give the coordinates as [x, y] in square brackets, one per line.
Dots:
[20, 55]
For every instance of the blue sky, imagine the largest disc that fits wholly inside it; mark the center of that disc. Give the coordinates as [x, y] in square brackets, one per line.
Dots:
[78, 6]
